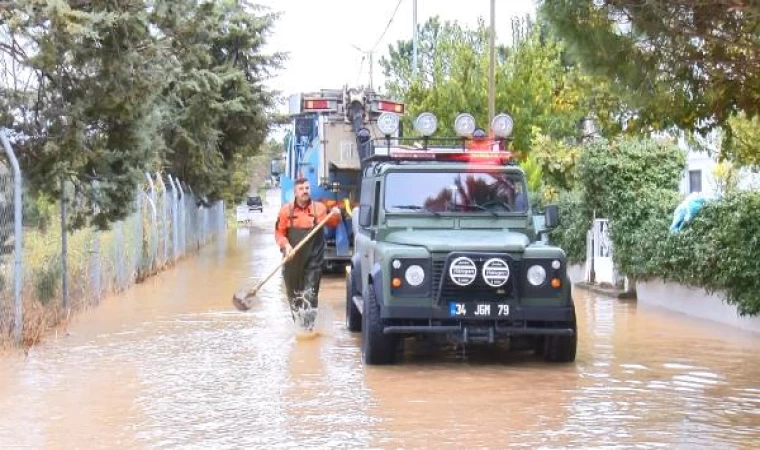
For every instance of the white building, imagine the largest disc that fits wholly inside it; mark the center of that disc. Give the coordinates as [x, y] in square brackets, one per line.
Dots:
[699, 175]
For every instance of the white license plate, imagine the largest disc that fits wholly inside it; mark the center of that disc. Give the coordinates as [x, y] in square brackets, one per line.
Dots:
[477, 309]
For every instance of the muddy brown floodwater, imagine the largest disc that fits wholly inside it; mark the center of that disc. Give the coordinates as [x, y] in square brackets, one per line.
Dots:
[171, 364]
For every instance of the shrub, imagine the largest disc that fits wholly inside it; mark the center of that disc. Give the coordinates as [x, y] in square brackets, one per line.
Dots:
[574, 222]
[633, 182]
[717, 251]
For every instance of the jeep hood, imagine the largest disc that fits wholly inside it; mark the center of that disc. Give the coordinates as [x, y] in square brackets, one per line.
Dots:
[456, 240]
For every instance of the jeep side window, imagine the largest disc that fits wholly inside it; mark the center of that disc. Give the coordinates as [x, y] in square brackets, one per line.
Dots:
[376, 212]
[365, 200]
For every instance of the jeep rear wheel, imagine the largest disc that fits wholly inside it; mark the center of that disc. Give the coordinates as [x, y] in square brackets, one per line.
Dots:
[377, 348]
[562, 348]
[353, 318]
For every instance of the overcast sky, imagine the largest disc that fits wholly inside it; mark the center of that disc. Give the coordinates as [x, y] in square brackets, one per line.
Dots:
[320, 35]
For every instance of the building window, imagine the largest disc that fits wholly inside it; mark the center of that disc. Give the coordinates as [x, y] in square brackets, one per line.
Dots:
[695, 181]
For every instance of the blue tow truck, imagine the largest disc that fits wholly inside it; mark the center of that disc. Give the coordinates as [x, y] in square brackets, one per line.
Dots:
[325, 147]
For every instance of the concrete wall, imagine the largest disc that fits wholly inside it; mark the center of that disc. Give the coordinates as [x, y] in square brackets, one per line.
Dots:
[693, 302]
[575, 272]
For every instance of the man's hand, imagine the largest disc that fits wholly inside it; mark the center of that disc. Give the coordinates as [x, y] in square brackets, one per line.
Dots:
[335, 211]
[287, 250]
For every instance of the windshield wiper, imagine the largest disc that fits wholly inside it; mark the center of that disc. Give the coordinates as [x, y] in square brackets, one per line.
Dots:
[417, 208]
[482, 208]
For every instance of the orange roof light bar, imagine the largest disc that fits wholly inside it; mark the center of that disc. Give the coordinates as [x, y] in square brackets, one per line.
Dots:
[498, 157]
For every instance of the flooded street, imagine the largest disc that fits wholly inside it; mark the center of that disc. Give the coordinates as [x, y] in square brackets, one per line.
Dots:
[172, 364]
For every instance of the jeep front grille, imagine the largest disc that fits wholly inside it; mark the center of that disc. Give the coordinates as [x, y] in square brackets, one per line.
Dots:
[478, 290]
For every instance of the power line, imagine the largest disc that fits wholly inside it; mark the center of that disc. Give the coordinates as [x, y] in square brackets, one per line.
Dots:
[370, 53]
[393, 16]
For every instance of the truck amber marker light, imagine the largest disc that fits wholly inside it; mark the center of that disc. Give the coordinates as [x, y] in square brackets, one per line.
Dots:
[391, 107]
[317, 104]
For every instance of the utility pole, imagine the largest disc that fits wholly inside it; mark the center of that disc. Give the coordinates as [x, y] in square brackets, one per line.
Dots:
[491, 75]
[371, 62]
[371, 69]
[414, 38]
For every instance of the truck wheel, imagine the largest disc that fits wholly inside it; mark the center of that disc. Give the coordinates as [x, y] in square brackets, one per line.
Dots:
[353, 318]
[377, 348]
[562, 348]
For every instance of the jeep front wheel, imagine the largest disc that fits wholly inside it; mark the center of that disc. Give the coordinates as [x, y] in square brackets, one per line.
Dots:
[353, 318]
[377, 348]
[562, 348]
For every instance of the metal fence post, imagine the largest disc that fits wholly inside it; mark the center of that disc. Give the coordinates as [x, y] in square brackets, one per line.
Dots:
[164, 221]
[64, 247]
[175, 226]
[96, 244]
[138, 262]
[223, 219]
[154, 232]
[182, 219]
[17, 239]
[121, 256]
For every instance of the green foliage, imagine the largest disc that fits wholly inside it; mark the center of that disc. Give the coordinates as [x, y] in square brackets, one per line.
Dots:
[453, 75]
[105, 91]
[575, 220]
[557, 160]
[215, 100]
[742, 141]
[678, 63]
[715, 251]
[533, 83]
[96, 82]
[533, 174]
[718, 251]
[633, 182]
[619, 175]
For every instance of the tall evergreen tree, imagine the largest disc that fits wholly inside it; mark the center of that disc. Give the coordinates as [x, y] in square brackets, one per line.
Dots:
[121, 87]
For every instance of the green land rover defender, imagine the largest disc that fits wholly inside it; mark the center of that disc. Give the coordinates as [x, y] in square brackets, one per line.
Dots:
[446, 243]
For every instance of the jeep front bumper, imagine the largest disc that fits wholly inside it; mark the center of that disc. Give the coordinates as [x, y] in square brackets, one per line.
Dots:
[522, 321]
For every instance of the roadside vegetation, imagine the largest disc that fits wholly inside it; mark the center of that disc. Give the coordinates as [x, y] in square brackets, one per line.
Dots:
[105, 91]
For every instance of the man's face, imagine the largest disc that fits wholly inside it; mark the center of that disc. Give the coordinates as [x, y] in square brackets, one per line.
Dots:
[302, 192]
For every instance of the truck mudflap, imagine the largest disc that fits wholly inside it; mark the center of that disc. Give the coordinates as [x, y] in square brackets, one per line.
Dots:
[342, 240]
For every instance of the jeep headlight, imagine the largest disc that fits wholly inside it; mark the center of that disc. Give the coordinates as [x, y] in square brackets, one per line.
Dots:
[414, 275]
[536, 275]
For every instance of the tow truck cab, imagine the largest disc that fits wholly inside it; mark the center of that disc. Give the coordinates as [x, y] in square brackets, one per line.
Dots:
[446, 243]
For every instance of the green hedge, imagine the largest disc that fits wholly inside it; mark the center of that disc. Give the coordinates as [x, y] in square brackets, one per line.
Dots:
[629, 181]
[718, 251]
[574, 222]
[633, 182]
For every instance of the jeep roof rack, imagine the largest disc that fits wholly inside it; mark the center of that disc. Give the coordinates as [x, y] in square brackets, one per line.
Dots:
[444, 149]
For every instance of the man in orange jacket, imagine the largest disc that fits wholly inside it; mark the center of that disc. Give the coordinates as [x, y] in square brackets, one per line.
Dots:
[302, 274]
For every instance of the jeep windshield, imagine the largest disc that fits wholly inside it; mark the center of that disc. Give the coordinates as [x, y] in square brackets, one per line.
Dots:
[468, 192]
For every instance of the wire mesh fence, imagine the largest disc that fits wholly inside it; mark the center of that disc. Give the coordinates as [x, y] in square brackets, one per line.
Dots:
[7, 236]
[63, 271]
